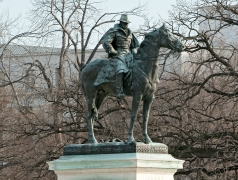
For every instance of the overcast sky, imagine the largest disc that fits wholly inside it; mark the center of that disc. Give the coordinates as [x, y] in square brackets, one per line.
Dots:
[154, 8]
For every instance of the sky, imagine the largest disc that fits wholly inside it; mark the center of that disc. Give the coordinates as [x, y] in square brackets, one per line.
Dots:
[155, 9]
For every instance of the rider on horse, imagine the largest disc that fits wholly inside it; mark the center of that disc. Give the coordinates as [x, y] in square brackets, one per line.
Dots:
[120, 44]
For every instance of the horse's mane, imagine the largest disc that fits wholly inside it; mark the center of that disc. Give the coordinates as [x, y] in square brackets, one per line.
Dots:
[149, 38]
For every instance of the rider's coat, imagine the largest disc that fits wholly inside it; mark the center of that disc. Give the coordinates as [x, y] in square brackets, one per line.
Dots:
[119, 45]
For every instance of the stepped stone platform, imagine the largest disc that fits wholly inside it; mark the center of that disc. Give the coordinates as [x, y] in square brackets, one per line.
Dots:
[116, 161]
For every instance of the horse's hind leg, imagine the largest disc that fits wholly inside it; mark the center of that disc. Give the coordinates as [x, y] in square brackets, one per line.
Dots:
[93, 104]
[100, 98]
[90, 118]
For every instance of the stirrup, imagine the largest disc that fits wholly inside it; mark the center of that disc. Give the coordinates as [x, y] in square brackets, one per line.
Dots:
[120, 93]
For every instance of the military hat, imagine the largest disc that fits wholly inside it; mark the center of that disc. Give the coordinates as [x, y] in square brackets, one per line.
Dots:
[124, 18]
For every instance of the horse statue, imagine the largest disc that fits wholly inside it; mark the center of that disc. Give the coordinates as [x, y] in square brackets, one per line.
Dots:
[142, 86]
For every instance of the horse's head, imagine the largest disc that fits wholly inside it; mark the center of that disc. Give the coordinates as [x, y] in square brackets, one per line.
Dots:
[168, 40]
[162, 37]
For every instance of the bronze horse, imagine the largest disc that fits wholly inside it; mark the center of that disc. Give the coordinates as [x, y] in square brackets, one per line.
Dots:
[144, 80]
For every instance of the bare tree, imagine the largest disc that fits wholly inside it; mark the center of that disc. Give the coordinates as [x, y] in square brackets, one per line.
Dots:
[197, 115]
[45, 109]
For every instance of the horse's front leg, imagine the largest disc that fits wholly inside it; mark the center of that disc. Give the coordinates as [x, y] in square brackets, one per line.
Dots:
[146, 111]
[135, 106]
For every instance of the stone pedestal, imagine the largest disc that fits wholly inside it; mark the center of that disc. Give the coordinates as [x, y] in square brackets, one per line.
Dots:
[116, 161]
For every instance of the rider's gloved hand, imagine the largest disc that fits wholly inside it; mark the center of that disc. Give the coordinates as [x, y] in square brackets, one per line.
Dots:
[113, 52]
[134, 50]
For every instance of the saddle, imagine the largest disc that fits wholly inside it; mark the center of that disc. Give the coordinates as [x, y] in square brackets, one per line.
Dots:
[108, 73]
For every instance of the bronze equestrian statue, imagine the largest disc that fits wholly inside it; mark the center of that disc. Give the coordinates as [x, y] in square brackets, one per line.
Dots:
[140, 82]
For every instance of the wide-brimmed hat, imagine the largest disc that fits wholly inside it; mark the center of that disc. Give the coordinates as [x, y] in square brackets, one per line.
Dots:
[124, 18]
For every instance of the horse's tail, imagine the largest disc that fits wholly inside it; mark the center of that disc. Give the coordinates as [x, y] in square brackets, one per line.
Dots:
[82, 67]
[83, 90]
[82, 85]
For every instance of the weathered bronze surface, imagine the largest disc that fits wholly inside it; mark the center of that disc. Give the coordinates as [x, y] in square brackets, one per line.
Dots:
[140, 82]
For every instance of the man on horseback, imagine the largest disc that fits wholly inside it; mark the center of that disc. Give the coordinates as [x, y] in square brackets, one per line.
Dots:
[120, 44]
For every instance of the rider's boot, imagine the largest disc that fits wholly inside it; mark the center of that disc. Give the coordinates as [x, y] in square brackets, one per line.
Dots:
[119, 86]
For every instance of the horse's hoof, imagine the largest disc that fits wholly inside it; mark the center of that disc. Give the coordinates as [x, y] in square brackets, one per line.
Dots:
[92, 141]
[148, 141]
[130, 141]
